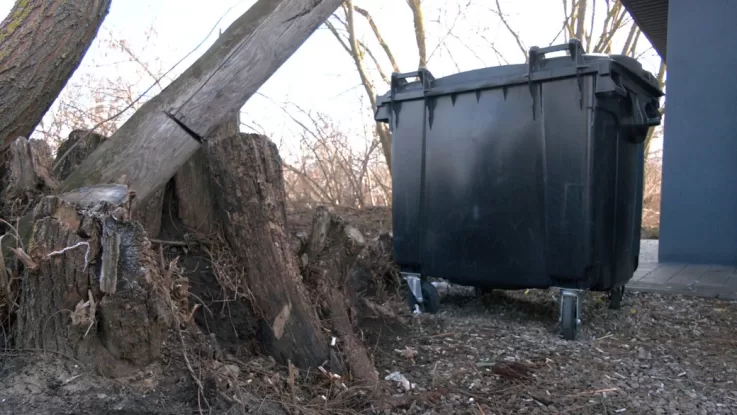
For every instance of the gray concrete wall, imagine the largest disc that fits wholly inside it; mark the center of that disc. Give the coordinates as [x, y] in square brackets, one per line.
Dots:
[699, 199]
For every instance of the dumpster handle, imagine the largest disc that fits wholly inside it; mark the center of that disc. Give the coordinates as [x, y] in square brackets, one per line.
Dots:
[644, 115]
[536, 54]
[400, 78]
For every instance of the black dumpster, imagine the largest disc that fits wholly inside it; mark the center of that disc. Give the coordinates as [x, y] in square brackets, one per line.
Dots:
[521, 176]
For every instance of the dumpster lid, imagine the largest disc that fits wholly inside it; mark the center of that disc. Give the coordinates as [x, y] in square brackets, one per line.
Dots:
[507, 75]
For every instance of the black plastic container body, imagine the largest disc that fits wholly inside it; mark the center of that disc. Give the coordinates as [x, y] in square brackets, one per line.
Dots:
[522, 176]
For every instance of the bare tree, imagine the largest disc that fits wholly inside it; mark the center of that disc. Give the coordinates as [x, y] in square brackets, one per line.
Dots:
[358, 51]
[333, 168]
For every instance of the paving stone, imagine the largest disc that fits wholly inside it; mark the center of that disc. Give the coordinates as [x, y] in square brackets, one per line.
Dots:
[663, 273]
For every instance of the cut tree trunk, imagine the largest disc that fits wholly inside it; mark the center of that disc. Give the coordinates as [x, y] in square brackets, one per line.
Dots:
[247, 180]
[77, 147]
[166, 132]
[42, 42]
[89, 288]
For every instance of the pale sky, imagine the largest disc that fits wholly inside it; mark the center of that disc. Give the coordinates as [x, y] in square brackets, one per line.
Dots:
[320, 76]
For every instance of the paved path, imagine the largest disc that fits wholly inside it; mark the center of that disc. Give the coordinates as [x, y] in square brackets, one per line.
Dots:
[696, 280]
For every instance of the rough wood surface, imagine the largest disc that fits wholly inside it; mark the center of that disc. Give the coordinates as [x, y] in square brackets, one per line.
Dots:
[78, 146]
[25, 169]
[250, 201]
[62, 306]
[149, 213]
[195, 204]
[42, 43]
[151, 147]
[74, 150]
[333, 251]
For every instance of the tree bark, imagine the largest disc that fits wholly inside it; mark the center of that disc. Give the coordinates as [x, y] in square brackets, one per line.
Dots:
[91, 290]
[42, 42]
[74, 150]
[163, 134]
[195, 204]
[25, 170]
[335, 276]
[247, 180]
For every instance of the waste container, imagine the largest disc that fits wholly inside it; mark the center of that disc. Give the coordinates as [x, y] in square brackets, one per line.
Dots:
[521, 176]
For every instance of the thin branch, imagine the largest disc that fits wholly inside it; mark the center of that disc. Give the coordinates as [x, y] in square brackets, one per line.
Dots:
[514, 34]
[442, 40]
[591, 29]
[628, 42]
[379, 38]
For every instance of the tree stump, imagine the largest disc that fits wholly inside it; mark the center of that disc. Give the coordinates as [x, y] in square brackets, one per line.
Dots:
[336, 255]
[78, 146]
[248, 185]
[74, 150]
[90, 288]
[25, 170]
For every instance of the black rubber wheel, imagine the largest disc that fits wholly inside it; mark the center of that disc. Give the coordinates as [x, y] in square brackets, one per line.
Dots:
[430, 299]
[615, 298]
[568, 316]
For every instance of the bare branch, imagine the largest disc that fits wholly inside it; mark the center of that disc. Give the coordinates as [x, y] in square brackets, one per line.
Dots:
[449, 31]
[630, 39]
[581, 20]
[514, 34]
[356, 54]
[379, 38]
[591, 29]
[420, 37]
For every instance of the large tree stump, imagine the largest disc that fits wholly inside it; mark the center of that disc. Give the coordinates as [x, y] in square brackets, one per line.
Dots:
[42, 43]
[89, 288]
[250, 204]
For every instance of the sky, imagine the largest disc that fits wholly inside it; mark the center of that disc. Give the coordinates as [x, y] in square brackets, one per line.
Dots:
[320, 76]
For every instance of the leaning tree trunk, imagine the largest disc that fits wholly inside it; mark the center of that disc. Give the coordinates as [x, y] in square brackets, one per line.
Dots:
[246, 174]
[42, 43]
[163, 134]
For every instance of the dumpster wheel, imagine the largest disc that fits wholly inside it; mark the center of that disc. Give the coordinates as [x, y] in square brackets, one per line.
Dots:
[569, 316]
[430, 299]
[615, 298]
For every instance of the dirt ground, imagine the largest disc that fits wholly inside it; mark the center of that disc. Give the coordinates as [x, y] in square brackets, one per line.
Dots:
[501, 354]
[497, 354]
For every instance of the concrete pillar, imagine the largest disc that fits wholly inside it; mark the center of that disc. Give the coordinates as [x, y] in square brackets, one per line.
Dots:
[699, 199]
